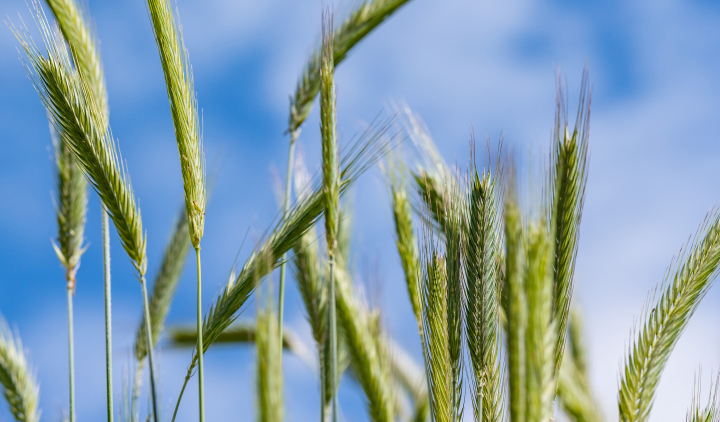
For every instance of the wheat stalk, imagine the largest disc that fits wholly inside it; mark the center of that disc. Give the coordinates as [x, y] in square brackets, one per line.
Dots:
[568, 177]
[483, 299]
[16, 378]
[435, 331]
[688, 279]
[166, 281]
[83, 45]
[541, 328]
[75, 113]
[70, 210]
[516, 305]
[331, 188]
[183, 105]
[269, 368]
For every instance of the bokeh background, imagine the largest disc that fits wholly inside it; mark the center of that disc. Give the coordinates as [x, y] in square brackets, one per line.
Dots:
[460, 64]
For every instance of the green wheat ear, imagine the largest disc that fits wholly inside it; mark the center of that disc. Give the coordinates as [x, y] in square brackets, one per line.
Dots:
[16, 378]
[183, 105]
[666, 316]
[70, 209]
[567, 180]
[368, 15]
[75, 114]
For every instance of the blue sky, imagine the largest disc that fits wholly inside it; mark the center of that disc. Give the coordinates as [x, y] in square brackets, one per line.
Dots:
[457, 63]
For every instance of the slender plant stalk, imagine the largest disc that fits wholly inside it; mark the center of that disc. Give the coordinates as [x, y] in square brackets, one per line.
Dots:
[83, 46]
[183, 105]
[688, 280]
[16, 377]
[108, 312]
[269, 368]
[146, 307]
[200, 337]
[71, 354]
[331, 184]
[286, 209]
[71, 210]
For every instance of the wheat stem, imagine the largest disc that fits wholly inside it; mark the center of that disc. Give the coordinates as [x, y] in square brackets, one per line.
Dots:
[286, 209]
[108, 313]
[150, 353]
[71, 354]
[201, 384]
[517, 311]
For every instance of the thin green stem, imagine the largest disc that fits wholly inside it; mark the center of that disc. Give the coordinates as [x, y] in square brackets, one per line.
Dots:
[108, 313]
[201, 383]
[150, 348]
[182, 391]
[333, 337]
[71, 354]
[286, 208]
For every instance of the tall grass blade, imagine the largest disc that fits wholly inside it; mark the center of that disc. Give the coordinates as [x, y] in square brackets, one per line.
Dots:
[16, 378]
[688, 279]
